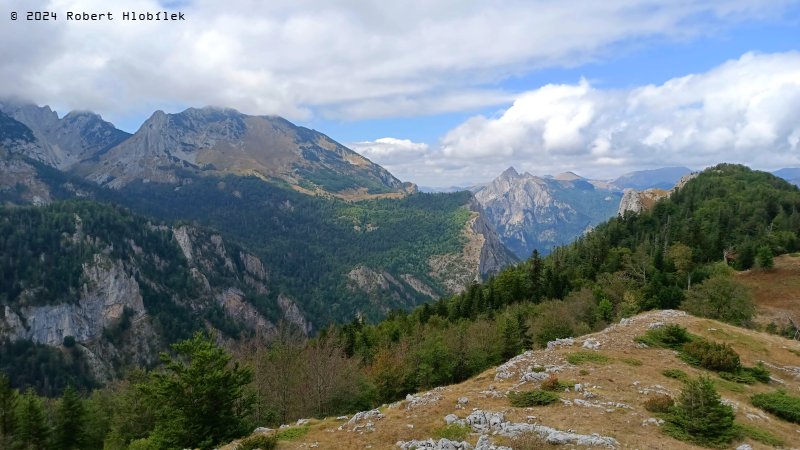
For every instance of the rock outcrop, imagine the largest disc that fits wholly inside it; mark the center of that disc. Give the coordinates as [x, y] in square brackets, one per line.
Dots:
[638, 201]
[62, 142]
[531, 212]
[483, 254]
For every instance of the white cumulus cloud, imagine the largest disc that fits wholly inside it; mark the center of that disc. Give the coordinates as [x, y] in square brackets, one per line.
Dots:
[342, 59]
[745, 110]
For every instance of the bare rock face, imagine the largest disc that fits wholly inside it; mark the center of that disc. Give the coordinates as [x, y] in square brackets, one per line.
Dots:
[62, 142]
[17, 172]
[381, 285]
[494, 255]
[638, 201]
[483, 254]
[106, 294]
[235, 305]
[631, 201]
[531, 212]
[293, 314]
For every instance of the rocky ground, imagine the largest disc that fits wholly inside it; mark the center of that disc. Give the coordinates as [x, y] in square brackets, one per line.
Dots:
[604, 409]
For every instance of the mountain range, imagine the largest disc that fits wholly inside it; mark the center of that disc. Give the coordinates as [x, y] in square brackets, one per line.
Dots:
[257, 221]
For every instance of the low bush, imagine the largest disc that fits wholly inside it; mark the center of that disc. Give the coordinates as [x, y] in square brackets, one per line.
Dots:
[711, 356]
[579, 358]
[759, 435]
[783, 405]
[261, 442]
[551, 384]
[741, 376]
[453, 432]
[669, 336]
[290, 434]
[759, 372]
[748, 375]
[659, 403]
[677, 374]
[535, 397]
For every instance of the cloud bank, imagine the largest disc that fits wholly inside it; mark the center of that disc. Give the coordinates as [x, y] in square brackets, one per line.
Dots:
[745, 110]
[340, 59]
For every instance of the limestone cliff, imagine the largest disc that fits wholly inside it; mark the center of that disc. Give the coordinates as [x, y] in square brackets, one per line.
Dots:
[638, 201]
[129, 292]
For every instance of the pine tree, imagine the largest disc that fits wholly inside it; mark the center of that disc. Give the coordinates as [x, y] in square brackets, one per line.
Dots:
[199, 398]
[32, 432]
[764, 258]
[8, 405]
[536, 269]
[70, 430]
[700, 416]
[510, 339]
[525, 341]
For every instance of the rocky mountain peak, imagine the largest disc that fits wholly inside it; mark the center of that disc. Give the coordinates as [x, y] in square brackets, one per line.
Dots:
[221, 141]
[63, 142]
[531, 212]
[509, 173]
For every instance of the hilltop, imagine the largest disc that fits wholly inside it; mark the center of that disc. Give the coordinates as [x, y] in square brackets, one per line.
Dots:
[612, 375]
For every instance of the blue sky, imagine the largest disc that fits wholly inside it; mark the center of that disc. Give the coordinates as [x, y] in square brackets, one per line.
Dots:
[446, 92]
[628, 65]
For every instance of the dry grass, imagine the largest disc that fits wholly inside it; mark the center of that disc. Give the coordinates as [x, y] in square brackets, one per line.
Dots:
[776, 292]
[615, 381]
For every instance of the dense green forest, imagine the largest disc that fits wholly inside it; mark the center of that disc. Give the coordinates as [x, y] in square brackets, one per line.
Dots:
[309, 243]
[671, 256]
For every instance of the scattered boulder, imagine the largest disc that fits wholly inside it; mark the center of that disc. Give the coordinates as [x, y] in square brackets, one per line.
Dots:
[262, 430]
[488, 421]
[430, 444]
[366, 415]
[591, 344]
[451, 419]
[653, 421]
[485, 444]
[566, 342]
[427, 398]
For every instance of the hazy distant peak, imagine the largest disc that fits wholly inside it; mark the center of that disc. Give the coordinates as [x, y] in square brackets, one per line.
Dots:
[568, 176]
[509, 173]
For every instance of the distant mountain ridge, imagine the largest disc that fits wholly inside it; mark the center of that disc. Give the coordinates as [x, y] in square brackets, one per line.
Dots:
[224, 141]
[792, 175]
[662, 178]
[531, 212]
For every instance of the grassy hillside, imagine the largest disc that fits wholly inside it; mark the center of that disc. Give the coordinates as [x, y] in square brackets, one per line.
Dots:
[776, 293]
[617, 379]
